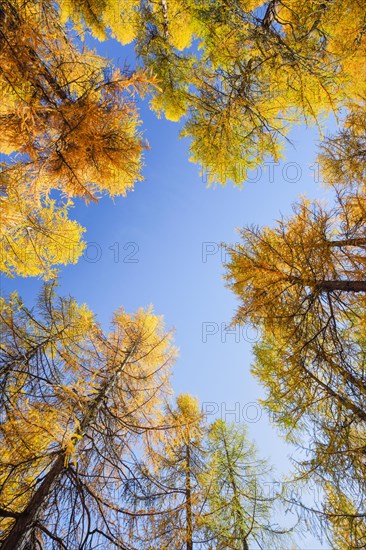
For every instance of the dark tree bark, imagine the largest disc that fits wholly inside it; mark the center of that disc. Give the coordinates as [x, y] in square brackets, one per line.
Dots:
[270, 14]
[356, 241]
[189, 500]
[345, 286]
[21, 531]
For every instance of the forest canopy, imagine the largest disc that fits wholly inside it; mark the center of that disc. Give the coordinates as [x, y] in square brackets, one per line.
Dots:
[96, 450]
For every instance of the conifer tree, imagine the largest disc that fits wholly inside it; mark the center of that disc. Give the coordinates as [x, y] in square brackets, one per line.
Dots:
[240, 493]
[303, 284]
[204, 485]
[242, 73]
[75, 404]
[174, 460]
[69, 125]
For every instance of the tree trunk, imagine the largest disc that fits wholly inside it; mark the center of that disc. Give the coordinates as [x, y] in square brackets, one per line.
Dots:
[189, 521]
[21, 531]
[345, 286]
[270, 14]
[165, 19]
[237, 504]
[22, 528]
[357, 241]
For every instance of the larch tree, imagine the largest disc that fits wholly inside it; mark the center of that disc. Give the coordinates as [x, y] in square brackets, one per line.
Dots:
[36, 234]
[69, 126]
[342, 156]
[342, 163]
[76, 402]
[282, 274]
[318, 404]
[204, 486]
[241, 73]
[303, 284]
[174, 459]
[348, 527]
[240, 495]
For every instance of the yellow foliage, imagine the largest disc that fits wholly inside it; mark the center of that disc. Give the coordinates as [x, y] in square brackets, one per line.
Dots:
[118, 18]
[348, 529]
[248, 85]
[72, 122]
[27, 437]
[75, 395]
[35, 237]
[188, 407]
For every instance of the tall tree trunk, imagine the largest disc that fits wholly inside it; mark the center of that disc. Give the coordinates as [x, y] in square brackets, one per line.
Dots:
[238, 513]
[356, 241]
[21, 531]
[164, 7]
[189, 518]
[270, 14]
[345, 286]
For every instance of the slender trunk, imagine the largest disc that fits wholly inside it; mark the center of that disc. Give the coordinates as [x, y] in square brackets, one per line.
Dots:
[239, 516]
[165, 19]
[357, 241]
[328, 285]
[189, 545]
[270, 14]
[21, 531]
[22, 528]
[345, 286]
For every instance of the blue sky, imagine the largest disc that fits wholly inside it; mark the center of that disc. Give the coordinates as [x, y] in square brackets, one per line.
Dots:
[160, 245]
